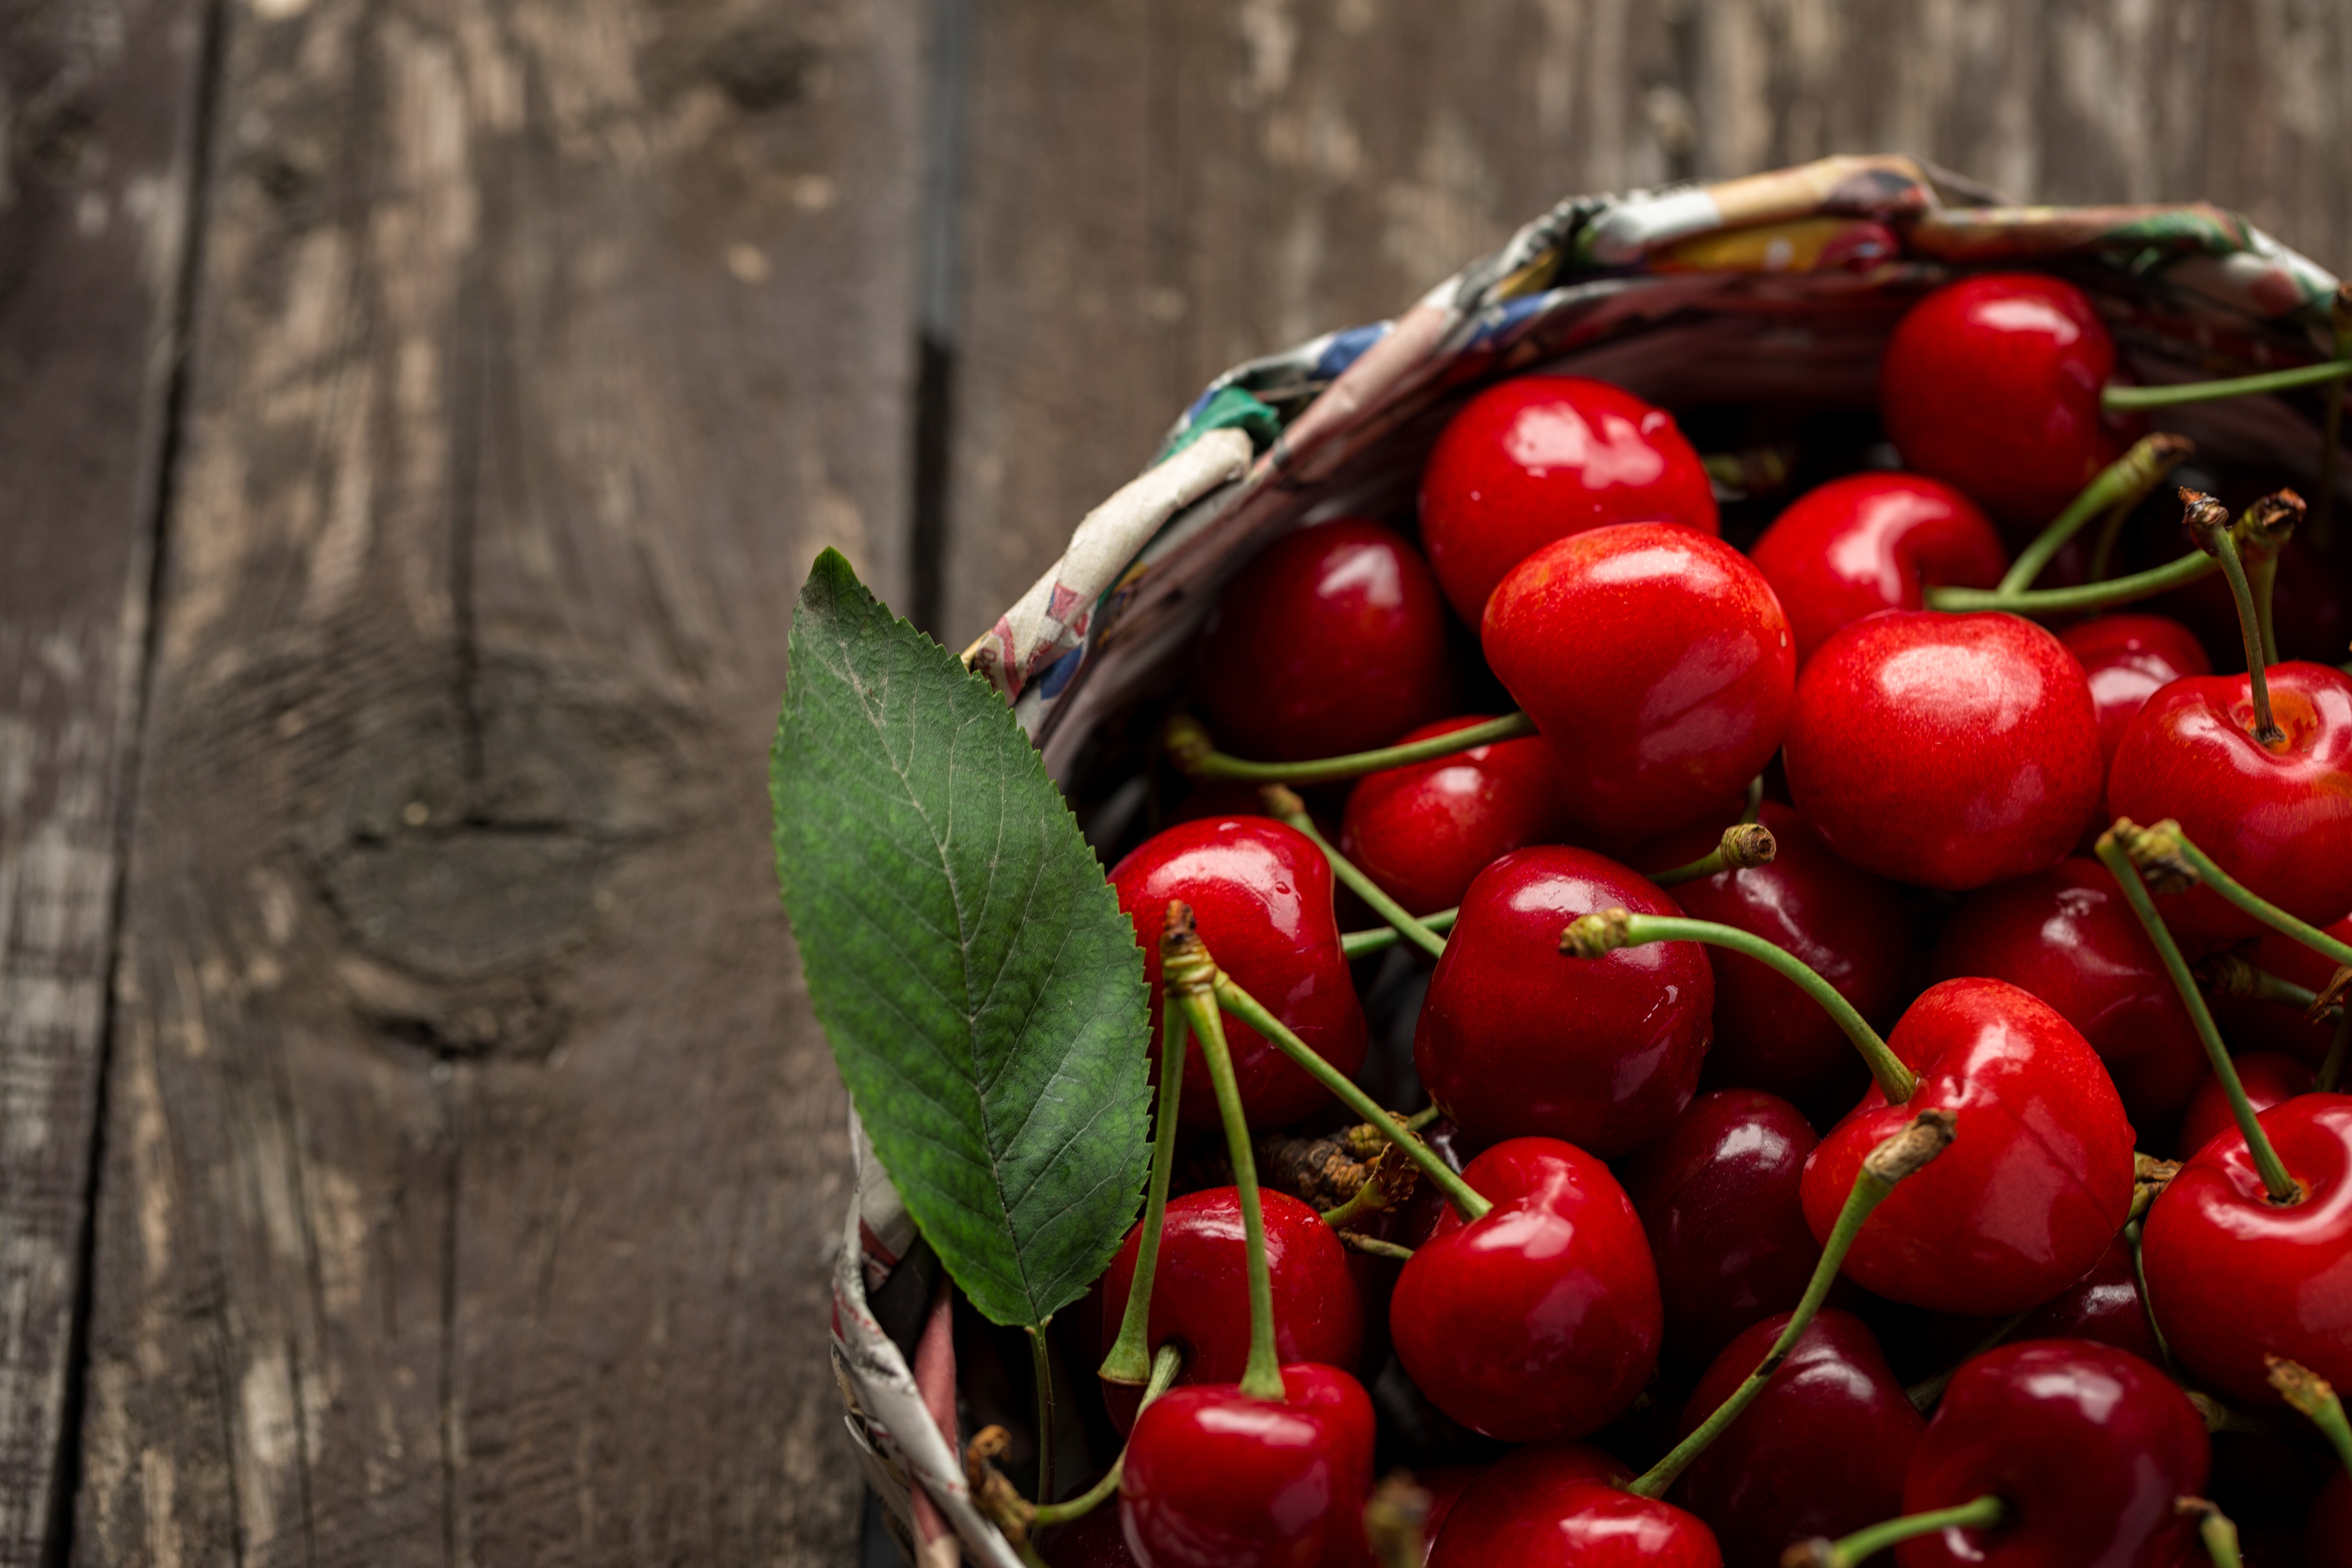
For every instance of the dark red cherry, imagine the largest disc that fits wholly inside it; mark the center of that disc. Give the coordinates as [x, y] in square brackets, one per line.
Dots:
[2104, 1305]
[1262, 894]
[1331, 641]
[2268, 1078]
[2087, 1446]
[1872, 541]
[2126, 659]
[1992, 384]
[2328, 1533]
[1199, 1293]
[2067, 935]
[2278, 818]
[2039, 1175]
[1948, 750]
[1821, 1452]
[1423, 832]
[2234, 1277]
[2255, 1026]
[1564, 1508]
[1718, 1200]
[1540, 458]
[1514, 1040]
[1539, 1320]
[1445, 1484]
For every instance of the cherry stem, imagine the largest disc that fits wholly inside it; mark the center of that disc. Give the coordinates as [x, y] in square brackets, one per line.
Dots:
[2133, 1230]
[2323, 522]
[2208, 521]
[2123, 399]
[1285, 808]
[2331, 1069]
[1755, 799]
[2228, 975]
[1923, 1395]
[1374, 1246]
[2084, 596]
[1129, 1361]
[2120, 485]
[1744, 845]
[1597, 935]
[2166, 851]
[1191, 976]
[1190, 748]
[2315, 1398]
[2215, 1530]
[2117, 860]
[1424, 1117]
[1164, 1368]
[1982, 1513]
[1041, 1371]
[1248, 1009]
[1357, 944]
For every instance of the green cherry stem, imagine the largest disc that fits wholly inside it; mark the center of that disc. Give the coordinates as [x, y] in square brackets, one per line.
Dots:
[1191, 975]
[1928, 1134]
[2123, 399]
[1375, 1246]
[1164, 1368]
[2166, 851]
[1982, 1513]
[2331, 1069]
[1285, 806]
[2120, 485]
[2323, 522]
[2228, 975]
[1755, 799]
[1129, 1361]
[1357, 944]
[2208, 522]
[1743, 845]
[1599, 935]
[2214, 1528]
[2085, 597]
[1041, 1371]
[1250, 1011]
[1188, 745]
[1424, 1117]
[2261, 533]
[2113, 854]
[2314, 1397]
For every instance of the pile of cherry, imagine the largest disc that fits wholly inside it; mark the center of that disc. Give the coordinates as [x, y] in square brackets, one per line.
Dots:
[1752, 809]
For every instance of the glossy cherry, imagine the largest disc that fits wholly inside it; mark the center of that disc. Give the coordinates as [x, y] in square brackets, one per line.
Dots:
[2277, 817]
[2087, 1446]
[2103, 1306]
[1656, 664]
[1445, 1484]
[1992, 384]
[1822, 1451]
[2067, 936]
[2127, 658]
[1948, 750]
[1872, 541]
[1539, 458]
[2253, 1026]
[2233, 1275]
[1514, 1040]
[1718, 1200]
[2268, 1078]
[1563, 1507]
[1331, 641]
[1423, 832]
[1262, 894]
[1538, 1321]
[1213, 1479]
[2039, 1176]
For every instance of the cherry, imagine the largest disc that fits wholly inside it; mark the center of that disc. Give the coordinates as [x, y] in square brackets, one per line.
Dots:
[2067, 936]
[2234, 1277]
[1821, 1452]
[1992, 384]
[2269, 1079]
[1719, 1201]
[2034, 1187]
[1213, 1479]
[2127, 658]
[1655, 663]
[1445, 1484]
[2278, 818]
[1851, 928]
[1872, 541]
[1262, 893]
[1423, 831]
[1331, 641]
[2103, 1306]
[1539, 1320]
[1539, 458]
[2268, 1025]
[1511, 1041]
[1094, 1540]
[2328, 1533]
[1562, 1508]
[2087, 1446]
[1948, 750]
[1200, 1298]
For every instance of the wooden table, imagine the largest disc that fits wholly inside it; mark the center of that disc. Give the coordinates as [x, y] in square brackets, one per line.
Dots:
[415, 419]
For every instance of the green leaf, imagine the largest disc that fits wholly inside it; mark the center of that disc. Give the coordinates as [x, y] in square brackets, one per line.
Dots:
[983, 992]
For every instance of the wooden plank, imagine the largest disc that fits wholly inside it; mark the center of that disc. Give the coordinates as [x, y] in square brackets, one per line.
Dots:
[472, 1159]
[96, 106]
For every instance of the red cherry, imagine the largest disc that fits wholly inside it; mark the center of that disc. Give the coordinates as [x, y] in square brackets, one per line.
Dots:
[1949, 751]
[1869, 543]
[1331, 641]
[2103, 1306]
[2085, 1445]
[1655, 663]
[2276, 817]
[2038, 1179]
[1262, 894]
[1540, 458]
[1199, 1295]
[2271, 1027]
[2268, 1080]
[1514, 1040]
[1718, 1197]
[2067, 936]
[1213, 1479]
[1537, 1321]
[2328, 1533]
[1992, 384]
[1562, 1508]
[1423, 832]
[2233, 1275]
[1445, 1484]
[1821, 1452]
[2126, 659]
